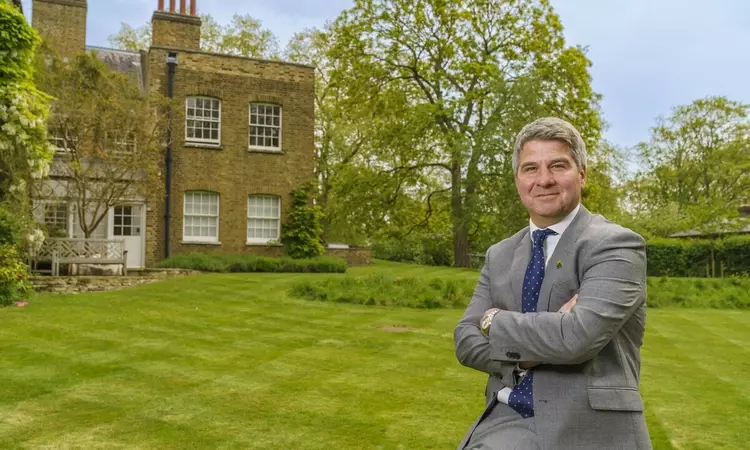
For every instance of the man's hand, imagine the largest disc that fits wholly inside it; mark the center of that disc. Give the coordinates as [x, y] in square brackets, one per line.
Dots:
[486, 321]
[569, 305]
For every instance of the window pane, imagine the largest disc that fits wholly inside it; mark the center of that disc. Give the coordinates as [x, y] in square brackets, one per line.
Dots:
[252, 140]
[277, 110]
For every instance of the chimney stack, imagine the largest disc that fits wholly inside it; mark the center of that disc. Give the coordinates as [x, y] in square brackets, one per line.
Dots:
[183, 7]
[62, 23]
[176, 29]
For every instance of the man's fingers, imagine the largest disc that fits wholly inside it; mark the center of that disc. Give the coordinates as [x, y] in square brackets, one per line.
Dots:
[569, 305]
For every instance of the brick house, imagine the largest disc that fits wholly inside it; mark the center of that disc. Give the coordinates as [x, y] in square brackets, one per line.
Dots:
[245, 141]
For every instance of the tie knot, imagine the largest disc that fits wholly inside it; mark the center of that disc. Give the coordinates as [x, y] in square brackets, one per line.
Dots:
[541, 235]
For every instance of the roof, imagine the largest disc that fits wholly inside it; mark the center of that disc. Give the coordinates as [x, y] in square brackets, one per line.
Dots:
[122, 61]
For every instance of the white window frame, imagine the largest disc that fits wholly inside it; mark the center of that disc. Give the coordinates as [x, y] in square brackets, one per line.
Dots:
[211, 239]
[120, 146]
[202, 141]
[63, 203]
[250, 124]
[100, 232]
[277, 218]
[56, 138]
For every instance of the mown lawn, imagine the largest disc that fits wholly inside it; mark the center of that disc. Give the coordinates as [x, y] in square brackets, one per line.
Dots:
[230, 361]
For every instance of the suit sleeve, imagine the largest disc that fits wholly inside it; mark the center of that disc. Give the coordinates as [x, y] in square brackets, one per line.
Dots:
[472, 347]
[611, 289]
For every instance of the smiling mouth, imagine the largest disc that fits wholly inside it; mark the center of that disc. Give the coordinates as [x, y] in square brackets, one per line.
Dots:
[546, 195]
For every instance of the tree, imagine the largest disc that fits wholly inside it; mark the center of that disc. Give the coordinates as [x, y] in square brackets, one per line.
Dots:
[449, 85]
[24, 151]
[243, 36]
[110, 135]
[697, 164]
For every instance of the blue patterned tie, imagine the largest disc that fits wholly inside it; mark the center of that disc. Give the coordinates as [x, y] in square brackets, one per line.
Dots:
[521, 398]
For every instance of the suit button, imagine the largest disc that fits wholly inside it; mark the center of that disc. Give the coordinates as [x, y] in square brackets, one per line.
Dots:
[513, 355]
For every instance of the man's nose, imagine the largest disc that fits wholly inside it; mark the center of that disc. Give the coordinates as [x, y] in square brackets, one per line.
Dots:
[545, 178]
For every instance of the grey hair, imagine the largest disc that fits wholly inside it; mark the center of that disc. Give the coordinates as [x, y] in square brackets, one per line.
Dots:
[551, 129]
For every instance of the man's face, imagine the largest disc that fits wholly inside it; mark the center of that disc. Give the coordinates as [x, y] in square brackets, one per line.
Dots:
[548, 181]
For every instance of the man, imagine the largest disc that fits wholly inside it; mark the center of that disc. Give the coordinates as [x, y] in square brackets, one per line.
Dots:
[558, 315]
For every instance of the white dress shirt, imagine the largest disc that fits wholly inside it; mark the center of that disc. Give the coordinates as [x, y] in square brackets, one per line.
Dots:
[549, 248]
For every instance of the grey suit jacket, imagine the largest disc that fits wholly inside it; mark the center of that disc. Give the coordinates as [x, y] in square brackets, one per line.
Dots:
[586, 389]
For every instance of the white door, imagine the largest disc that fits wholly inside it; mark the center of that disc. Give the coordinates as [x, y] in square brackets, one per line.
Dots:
[127, 224]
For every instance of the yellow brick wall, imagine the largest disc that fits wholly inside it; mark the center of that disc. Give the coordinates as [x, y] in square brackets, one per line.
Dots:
[175, 30]
[232, 170]
[62, 23]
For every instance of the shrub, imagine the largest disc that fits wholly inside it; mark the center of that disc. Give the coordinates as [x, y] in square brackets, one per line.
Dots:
[386, 290]
[302, 232]
[726, 293]
[216, 262]
[14, 276]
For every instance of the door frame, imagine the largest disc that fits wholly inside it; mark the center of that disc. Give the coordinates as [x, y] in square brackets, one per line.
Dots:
[111, 229]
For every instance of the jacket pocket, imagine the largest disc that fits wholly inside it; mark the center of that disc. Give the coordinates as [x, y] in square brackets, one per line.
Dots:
[615, 399]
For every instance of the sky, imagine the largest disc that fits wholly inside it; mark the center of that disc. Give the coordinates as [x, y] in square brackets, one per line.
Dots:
[648, 55]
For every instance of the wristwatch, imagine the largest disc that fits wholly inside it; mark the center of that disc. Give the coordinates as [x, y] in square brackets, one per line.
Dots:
[486, 322]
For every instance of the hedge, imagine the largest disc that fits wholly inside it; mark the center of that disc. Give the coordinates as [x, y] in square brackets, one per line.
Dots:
[692, 258]
[217, 262]
[387, 290]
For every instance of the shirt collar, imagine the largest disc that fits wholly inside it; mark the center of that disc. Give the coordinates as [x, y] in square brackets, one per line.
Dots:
[560, 226]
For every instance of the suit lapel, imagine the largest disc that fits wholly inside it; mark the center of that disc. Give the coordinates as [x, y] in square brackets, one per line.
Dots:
[521, 258]
[563, 251]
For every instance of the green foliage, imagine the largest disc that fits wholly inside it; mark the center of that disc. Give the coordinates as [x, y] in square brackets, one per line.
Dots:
[697, 169]
[387, 290]
[443, 88]
[726, 293]
[693, 258]
[243, 36]
[427, 249]
[302, 232]
[112, 133]
[14, 284]
[17, 43]
[215, 262]
[734, 255]
[25, 153]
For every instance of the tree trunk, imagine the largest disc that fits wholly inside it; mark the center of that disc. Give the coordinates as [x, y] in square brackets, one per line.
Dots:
[460, 225]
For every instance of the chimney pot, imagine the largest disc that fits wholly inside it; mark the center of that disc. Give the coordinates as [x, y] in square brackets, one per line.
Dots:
[183, 9]
[192, 7]
[171, 6]
[161, 6]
